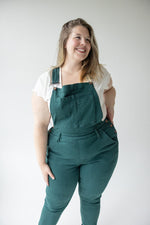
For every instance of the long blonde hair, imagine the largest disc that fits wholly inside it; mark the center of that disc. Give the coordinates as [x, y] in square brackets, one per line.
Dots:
[91, 65]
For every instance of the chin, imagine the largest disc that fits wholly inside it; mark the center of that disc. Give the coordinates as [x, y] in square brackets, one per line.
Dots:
[81, 58]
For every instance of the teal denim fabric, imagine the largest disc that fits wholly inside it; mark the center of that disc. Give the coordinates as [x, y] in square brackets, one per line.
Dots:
[81, 149]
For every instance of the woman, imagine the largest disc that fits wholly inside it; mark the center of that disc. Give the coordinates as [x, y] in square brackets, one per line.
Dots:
[81, 145]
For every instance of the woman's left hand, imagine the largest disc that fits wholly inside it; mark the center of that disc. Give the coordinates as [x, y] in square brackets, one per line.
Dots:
[110, 113]
[109, 96]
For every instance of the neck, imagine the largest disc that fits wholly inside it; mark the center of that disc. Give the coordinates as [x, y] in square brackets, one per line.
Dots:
[74, 67]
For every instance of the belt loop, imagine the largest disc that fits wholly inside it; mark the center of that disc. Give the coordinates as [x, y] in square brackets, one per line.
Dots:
[97, 133]
[58, 140]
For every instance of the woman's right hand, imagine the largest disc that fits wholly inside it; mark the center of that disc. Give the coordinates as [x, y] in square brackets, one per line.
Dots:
[45, 172]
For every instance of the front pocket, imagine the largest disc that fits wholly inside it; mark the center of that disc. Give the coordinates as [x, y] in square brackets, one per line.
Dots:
[110, 131]
[111, 135]
[47, 155]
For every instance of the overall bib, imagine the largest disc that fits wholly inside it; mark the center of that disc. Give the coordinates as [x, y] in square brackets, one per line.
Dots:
[81, 149]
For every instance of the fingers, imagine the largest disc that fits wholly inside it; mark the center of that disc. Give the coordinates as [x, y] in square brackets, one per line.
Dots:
[110, 117]
[51, 174]
[46, 171]
[46, 180]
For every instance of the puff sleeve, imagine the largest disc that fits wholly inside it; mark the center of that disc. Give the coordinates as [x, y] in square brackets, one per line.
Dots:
[106, 79]
[42, 86]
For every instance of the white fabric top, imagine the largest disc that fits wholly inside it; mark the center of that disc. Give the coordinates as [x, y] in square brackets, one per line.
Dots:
[43, 88]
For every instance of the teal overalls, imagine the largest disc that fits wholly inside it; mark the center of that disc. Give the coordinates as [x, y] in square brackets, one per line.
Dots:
[81, 149]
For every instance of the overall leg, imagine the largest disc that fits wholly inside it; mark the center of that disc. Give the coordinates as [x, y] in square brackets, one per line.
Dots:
[94, 177]
[59, 191]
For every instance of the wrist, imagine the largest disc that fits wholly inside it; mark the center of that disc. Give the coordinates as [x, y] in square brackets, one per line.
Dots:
[41, 164]
[110, 106]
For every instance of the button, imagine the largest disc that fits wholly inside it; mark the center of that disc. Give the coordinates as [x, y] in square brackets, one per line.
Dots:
[106, 121]
[55, 88]
[111, 125]
[91, 82]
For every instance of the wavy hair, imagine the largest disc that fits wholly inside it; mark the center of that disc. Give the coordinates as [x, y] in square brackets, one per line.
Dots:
[90, 65]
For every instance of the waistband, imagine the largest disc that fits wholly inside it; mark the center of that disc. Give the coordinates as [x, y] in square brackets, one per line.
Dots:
[77, 131]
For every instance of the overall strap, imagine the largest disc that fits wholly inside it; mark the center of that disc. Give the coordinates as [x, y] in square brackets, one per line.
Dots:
[55, 75]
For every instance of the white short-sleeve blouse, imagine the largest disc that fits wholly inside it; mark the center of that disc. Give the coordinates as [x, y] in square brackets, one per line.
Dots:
[43, 88]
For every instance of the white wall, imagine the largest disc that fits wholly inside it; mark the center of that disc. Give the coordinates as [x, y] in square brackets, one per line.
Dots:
[28, 46]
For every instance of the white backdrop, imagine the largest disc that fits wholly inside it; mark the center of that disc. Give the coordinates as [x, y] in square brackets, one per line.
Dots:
[29, 32]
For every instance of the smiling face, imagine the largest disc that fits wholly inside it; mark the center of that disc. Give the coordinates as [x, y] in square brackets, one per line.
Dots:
[78, 44]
